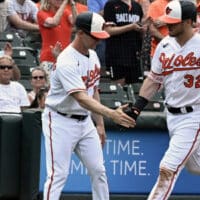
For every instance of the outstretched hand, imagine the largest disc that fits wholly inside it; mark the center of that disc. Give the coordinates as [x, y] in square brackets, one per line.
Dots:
[121, 118]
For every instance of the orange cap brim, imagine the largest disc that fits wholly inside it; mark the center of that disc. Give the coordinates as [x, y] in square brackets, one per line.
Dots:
[169, 20]
[100, 35]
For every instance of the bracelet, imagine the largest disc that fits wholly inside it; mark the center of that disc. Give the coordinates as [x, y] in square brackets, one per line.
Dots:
[140, 103]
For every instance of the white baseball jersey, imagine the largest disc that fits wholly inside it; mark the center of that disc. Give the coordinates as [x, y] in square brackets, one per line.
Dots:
[74, 72]
[178, 68]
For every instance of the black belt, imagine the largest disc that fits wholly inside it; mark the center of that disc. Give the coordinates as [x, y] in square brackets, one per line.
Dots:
[182, 110]
[78, 117]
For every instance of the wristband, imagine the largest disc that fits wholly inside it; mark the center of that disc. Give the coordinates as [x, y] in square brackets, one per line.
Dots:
[140, 103]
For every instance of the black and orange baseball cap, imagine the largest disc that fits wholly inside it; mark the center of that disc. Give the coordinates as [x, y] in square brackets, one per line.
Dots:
[92, 24]
[177, 11]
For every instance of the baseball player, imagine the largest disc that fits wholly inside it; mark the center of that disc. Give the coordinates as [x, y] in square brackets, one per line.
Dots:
[176, 66]
[72, 98]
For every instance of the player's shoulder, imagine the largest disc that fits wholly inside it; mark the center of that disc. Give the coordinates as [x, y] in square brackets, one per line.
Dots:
[196, 36]
[68, 52]
[92, 52]
[68, 58]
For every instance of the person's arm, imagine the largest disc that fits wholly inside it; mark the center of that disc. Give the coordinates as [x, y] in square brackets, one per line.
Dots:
[21, 24]
[55, 20]
[118, 116]
[149, 88]
[155, 22]
[155, 32]
[147, 91]
[117, 30]
[109, 16]
[98, 119]
[74, 12]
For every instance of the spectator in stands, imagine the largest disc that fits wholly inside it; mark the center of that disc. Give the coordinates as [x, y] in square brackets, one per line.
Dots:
[55, 24]
[22, 16]
[39, 101]
[146, 43]
[80, 6]
[124, 46]
[145, 6]
[38, 80]
[98, 7]
[158, 29]
[7, 50]
[3, 15]
[13, 96]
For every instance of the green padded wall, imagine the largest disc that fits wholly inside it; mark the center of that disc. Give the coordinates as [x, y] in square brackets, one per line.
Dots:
[10, 130]
[30, 154]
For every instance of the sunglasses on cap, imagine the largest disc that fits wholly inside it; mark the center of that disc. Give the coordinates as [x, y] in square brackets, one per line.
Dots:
[38, 77]
[6, 67]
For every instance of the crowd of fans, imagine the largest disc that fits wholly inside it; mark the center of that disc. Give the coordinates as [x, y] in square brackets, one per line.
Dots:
[125, 56]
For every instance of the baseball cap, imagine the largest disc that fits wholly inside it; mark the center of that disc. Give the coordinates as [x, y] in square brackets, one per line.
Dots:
[177, 11]
[92, 23]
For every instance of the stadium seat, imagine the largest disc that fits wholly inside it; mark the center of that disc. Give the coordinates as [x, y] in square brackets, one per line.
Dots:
[33, 40]
[112, 95]
[26, 83]
[11, 38]
[25, 60]
[156, 103]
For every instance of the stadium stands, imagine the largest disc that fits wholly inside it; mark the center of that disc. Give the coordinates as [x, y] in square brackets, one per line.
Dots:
[25, 60]
[113, 95]
[33, 40]
[156, 103]
[11, 38]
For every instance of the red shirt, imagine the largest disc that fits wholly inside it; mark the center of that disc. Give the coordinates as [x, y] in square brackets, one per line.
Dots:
[60, 33]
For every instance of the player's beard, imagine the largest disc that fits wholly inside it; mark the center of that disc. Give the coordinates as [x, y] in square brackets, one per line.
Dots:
[175, 31]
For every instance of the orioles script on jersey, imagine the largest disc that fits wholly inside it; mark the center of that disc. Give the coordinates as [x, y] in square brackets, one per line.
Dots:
[189, 61]
[91, 77]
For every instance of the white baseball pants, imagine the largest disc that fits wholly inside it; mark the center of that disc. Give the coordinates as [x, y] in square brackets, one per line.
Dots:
[64, 135]
[183, 151]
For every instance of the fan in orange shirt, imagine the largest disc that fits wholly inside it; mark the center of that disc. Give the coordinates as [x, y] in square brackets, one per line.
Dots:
[158, 29]
[55, 19]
